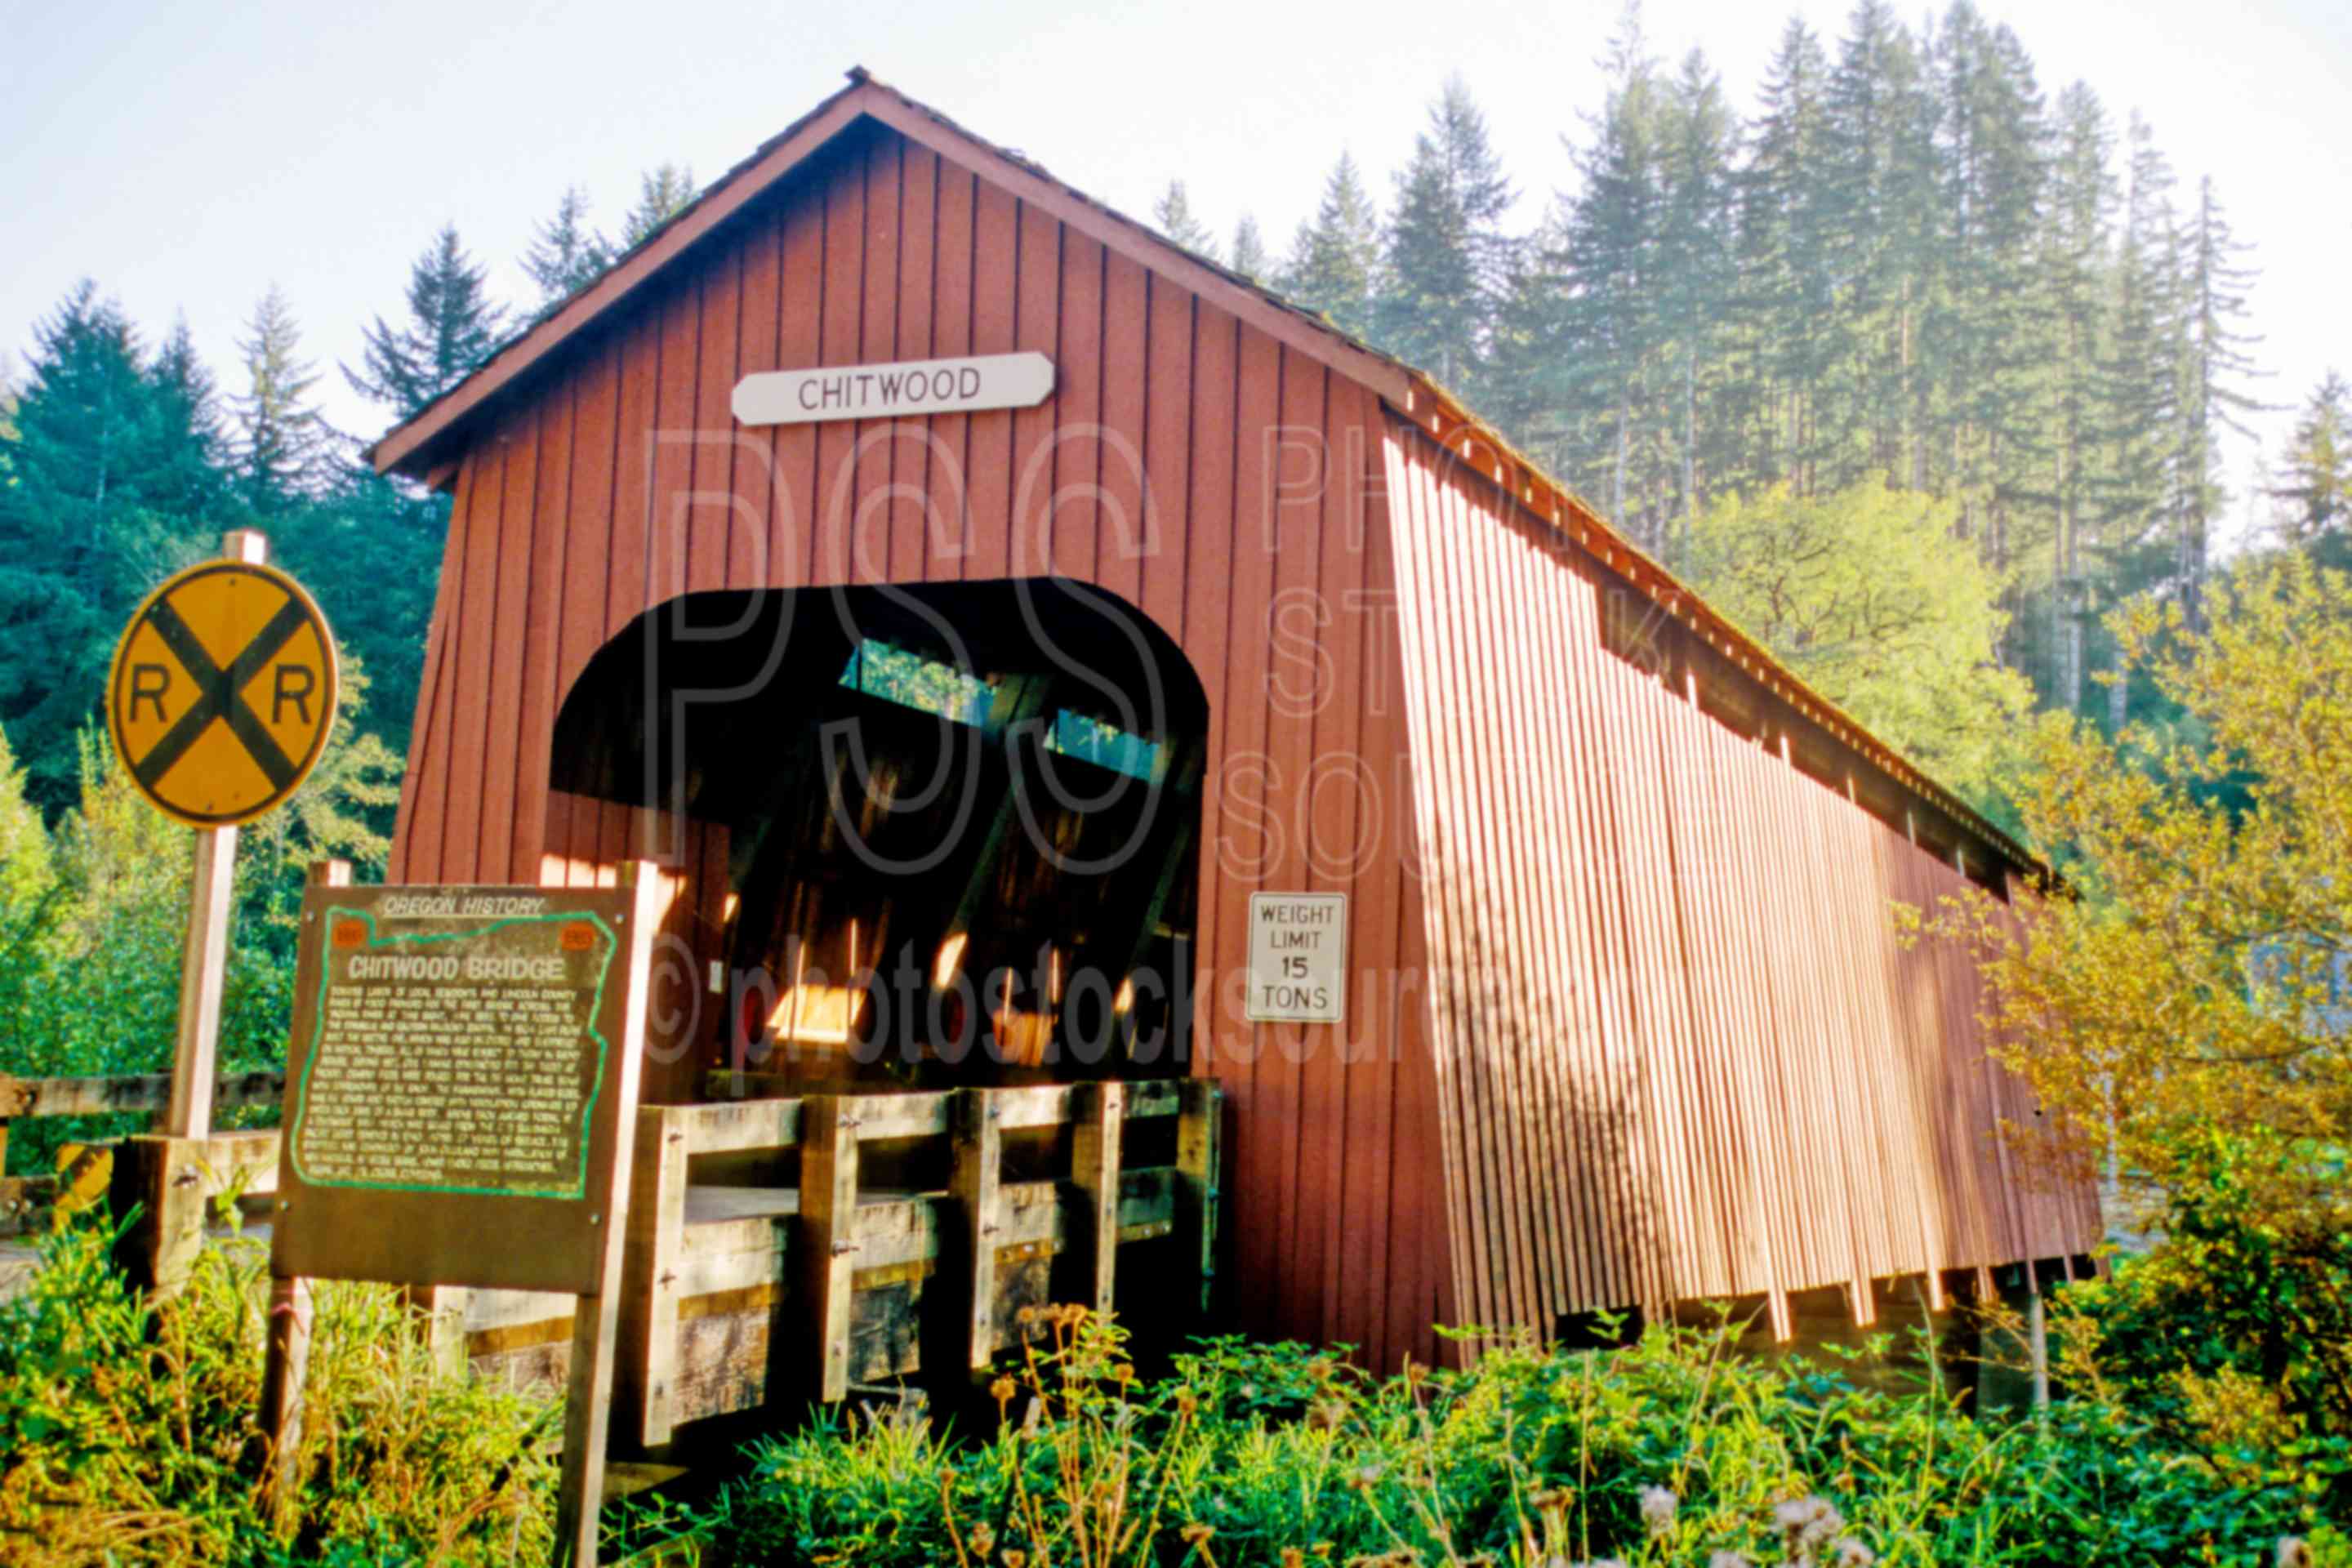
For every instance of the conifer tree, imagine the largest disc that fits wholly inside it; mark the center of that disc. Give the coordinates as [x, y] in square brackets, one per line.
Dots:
[565, 253]
[1883, 256]
[1786, 282]
[284, 446]
[2215, 366]
[1447, 253]
[1336, 257]
[1610, 370]
[1249, 255]
[1172, 216]
[91, 513]
[2312, 498]
[1989, 346]
[662, 192]
[452, 328]
[2074, 265]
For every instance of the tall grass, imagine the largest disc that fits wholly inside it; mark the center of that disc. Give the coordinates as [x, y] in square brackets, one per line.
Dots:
[129, 1436]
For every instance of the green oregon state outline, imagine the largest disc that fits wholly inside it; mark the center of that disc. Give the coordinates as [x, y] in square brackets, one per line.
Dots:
[318, 1029]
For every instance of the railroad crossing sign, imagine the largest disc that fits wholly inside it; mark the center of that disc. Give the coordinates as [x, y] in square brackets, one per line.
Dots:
[223, 692]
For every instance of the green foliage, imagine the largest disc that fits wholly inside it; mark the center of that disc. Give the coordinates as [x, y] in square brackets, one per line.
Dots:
[1662, 1453]
[2197, 980]
[130, 1436]
[93, 917]
[1870, 593]
[2234, 1337]
[107, 485]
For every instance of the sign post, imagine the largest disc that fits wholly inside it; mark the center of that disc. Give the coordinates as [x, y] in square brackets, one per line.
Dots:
[219, 704]
[464, 1069]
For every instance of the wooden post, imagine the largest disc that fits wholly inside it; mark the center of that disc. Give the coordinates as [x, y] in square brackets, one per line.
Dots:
[286, 1362]
[1094, 1170]
[978, 1172]
[164, 1177]
[828, 1239]
[286, 1357]
[596, 1323]
[1196, 1164]
[648, 1380]
[205, 959]
[2037, 1336]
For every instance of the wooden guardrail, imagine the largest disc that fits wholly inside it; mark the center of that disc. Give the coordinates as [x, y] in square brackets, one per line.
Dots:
[779, 1246]
[874, 1280]
[24, 1199]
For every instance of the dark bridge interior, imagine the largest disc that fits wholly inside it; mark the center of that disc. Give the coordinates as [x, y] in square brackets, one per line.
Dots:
[962, 822]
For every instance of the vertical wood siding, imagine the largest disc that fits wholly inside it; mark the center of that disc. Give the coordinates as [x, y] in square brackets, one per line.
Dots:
[1681, 1052]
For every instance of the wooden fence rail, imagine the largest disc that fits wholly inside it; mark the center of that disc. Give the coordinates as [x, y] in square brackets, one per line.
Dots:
[24, 1199]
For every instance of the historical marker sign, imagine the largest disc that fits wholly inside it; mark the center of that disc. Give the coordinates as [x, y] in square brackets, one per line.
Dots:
[460, 1060]
[223, 692]
[904, 391]
[1297, 958]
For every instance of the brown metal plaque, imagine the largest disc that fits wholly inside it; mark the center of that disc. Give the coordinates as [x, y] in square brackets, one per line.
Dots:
[462, 1059]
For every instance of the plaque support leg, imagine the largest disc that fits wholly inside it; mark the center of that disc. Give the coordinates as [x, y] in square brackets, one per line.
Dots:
[596, 1322]
[287, 1363]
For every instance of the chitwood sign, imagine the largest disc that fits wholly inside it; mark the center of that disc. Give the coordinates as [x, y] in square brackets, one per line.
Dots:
[906, 390]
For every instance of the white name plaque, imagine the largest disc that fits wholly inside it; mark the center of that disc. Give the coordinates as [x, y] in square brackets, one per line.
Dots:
[894, 391]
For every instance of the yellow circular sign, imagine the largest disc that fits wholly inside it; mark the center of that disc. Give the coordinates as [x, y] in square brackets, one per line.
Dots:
[223, 692]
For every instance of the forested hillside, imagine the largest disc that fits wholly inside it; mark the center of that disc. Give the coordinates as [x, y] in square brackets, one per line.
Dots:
[1917, 365]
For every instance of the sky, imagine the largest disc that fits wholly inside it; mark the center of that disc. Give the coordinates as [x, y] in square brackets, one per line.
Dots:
[187, 156]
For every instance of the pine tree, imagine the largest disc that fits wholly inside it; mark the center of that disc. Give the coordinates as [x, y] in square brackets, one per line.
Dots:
[1991, 339]
[1696, 271]
[1172, 216]
[1249, 257]
[1786, 282]
[1884, 263]
[452, 328]
[99, 476]
[1336, 257]
[2312, 502]
[663, 193]
[1610, 375]
[565, 253]
[2215, 365]
[2076, 265]
[284, 447]
[2139, 400]
[1447, 254]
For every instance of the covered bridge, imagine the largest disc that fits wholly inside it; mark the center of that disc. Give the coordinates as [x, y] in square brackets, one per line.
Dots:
[968, 730]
